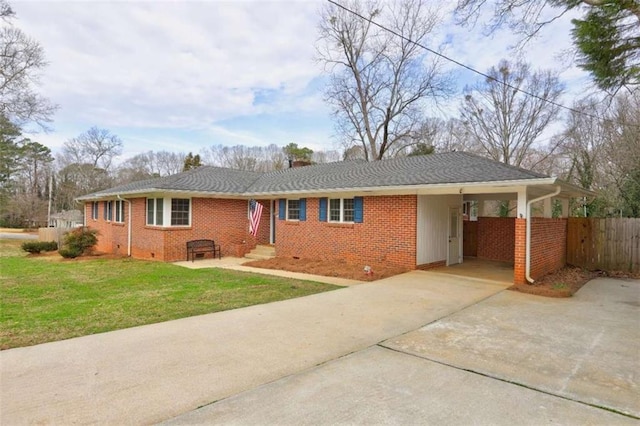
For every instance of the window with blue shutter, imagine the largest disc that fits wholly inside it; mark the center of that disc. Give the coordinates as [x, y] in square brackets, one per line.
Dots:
[322, 211]
[357, 209]
[282, 209]
[303, 209]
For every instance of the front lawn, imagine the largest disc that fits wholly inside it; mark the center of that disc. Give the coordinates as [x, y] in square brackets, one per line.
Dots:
[44, 298]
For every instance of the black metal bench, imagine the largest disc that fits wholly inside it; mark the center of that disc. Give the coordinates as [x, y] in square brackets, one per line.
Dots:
[202, 246]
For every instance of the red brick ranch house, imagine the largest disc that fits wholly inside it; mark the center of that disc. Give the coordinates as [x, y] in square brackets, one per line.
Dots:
[405, 211]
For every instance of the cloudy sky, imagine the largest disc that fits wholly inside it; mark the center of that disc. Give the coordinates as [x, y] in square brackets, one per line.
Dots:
[185, 75]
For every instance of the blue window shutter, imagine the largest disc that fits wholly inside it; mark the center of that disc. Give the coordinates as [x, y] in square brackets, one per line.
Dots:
[357, 209]
[282, 209]
[322, 211]
[303, 209]
[104, 215]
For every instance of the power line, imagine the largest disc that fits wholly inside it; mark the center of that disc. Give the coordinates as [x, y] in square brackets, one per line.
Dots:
[469, 68]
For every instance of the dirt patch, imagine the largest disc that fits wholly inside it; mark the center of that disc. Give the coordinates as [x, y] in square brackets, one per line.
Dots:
[567, 281]
[563, 283]
[338, 268]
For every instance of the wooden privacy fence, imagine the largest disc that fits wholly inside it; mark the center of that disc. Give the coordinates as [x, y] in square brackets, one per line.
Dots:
[53, 234]
[608, 244]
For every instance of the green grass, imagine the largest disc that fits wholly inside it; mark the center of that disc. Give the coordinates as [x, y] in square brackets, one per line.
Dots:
[43, 299]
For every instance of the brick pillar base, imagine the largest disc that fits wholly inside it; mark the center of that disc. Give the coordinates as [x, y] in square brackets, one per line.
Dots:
[520, 252]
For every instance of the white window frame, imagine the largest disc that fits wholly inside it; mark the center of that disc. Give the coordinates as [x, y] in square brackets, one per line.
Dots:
[109, 208]
[119, 212]
[171, 213]
[167, 210]
[294, 220]
[155, 211]
[95, 210]
[341, 220]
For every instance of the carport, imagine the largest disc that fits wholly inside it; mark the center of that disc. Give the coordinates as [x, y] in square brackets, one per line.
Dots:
[482, 245]
[484, 269]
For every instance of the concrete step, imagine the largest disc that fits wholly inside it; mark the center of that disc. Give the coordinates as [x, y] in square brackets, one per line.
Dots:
[255, 256]
[262, 252]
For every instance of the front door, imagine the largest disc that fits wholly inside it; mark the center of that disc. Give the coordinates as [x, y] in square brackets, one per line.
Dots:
[454, 236]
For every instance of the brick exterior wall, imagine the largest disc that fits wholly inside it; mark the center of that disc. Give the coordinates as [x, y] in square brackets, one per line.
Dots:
[224, 221]
[520, 251]
[548, 245]
[496, 238]
[387, 234]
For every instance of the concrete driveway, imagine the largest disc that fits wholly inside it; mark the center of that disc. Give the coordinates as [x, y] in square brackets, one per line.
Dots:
[510, 359]
[17, 236]
[152, 373]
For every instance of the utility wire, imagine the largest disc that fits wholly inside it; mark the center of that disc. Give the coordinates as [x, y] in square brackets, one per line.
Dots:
[467, 67]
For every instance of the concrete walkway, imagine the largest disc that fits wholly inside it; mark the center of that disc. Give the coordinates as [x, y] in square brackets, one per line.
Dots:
[236, 264]
[156, 372]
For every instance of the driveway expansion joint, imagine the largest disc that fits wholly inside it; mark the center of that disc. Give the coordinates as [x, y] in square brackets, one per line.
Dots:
[490, 376]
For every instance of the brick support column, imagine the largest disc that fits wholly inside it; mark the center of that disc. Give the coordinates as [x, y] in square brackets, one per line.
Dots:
[519, 252]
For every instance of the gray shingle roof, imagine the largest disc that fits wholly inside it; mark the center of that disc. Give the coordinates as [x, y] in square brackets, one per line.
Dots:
[201, 179]
[450, 167]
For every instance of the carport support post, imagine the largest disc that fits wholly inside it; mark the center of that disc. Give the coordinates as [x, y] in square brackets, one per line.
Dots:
[520, 255]
[547, 207]
[520, 250]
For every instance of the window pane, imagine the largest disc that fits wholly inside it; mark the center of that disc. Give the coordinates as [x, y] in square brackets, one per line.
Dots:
[293, 209]
[179, 211]
[159, 211]
[347, 204]
[119, 211]
[334, 210]
[453, 224]
[150, 203]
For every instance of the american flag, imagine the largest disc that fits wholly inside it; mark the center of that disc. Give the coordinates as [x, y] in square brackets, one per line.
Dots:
[255, 211]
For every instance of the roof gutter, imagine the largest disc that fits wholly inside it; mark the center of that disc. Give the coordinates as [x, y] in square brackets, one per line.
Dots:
[128, 224]
[527, 268]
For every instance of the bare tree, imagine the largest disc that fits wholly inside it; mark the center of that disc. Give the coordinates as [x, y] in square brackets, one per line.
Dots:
[605, 36]
[5, 11]
[96, 147]
[330, 156]
[85, 165]
[584, 142]
[275, 158]
[623, 151]
[379, 82]
[443, 136]
[21, 61]
[505, 123]
[256, 158]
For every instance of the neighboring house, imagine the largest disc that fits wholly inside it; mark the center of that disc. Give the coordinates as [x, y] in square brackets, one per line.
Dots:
[404, 211]
[67, 219]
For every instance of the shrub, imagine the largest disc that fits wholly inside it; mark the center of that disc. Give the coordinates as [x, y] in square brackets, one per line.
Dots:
[49, 246]
[38, 246]
[79, 241]
[70, 253]
[32, 247]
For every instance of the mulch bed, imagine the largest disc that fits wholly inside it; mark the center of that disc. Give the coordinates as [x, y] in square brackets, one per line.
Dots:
[341, 269]
[566, 282]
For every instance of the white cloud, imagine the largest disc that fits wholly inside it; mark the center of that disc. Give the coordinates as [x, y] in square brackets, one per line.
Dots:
[144, 64]
[174, 75]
